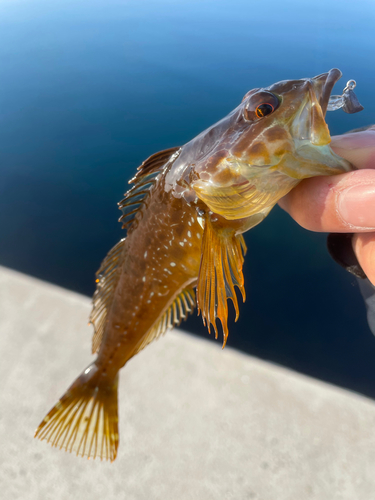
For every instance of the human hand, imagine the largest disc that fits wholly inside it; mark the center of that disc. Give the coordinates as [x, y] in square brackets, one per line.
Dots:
[342, 203]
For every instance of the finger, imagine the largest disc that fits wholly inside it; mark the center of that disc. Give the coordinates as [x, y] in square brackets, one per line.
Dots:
[342, 203]
[364, 248]
[357, 147]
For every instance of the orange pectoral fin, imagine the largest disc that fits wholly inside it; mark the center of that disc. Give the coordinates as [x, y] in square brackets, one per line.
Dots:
[220, 271]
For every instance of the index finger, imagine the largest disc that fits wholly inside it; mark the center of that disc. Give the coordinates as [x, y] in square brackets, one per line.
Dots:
[356, 147]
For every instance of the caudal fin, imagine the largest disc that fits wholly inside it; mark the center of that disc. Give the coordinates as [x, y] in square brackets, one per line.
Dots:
[85, 419]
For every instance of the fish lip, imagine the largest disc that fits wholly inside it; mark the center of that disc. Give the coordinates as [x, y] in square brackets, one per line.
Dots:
[330, 79]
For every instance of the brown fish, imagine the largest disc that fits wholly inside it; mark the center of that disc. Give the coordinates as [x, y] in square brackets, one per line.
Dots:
[184, 217]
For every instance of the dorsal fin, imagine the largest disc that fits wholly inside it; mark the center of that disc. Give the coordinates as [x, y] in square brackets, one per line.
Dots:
[179, 310]
[220, 271]
[143, 180]
[106, 279]
[107, 276]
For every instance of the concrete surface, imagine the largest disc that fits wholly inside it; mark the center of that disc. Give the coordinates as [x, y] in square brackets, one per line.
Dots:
[195, 422]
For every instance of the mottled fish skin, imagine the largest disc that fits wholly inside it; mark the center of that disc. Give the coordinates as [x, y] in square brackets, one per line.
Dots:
[161, 257]
[185, 216]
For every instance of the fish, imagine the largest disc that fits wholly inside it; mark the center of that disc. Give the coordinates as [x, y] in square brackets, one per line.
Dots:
[184, 219]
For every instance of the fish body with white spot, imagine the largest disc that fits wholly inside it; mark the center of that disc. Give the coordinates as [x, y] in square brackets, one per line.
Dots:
[184, 217]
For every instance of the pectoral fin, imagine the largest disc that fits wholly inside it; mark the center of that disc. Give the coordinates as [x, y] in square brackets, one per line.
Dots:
[220, 271]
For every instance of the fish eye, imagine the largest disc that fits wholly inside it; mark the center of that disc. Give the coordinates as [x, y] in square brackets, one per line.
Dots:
[260, 105]
[264, 110]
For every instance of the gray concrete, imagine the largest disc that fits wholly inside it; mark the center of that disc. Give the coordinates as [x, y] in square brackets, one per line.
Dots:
[196, 422]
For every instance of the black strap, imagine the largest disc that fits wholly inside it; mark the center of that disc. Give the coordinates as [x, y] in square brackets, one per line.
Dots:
[341, 250]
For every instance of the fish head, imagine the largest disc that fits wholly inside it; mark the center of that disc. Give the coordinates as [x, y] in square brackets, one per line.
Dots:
[275, 138]
[298, 135]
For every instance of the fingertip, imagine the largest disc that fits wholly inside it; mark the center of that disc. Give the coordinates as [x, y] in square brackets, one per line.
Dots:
[364, 248]
[307, 202]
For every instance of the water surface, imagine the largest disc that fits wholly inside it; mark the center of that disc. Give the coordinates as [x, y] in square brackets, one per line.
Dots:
[88, 90]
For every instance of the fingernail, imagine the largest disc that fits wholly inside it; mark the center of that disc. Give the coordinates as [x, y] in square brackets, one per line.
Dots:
[356, 206]
[355, 140]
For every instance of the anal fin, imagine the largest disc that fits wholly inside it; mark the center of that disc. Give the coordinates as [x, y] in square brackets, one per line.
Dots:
[181, 307]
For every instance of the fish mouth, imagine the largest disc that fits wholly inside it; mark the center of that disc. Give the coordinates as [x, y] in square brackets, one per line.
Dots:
[311, 134]
[323, 85]
[309, 121]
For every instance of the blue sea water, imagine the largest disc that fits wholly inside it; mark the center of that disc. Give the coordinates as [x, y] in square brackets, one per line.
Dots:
[89, 89]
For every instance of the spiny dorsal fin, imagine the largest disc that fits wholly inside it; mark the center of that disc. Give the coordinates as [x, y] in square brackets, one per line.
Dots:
[220, 271]
[143, 180]
[106, 279]
[179, 310]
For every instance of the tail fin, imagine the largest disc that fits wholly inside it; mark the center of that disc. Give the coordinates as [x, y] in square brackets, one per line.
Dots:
[85, 419]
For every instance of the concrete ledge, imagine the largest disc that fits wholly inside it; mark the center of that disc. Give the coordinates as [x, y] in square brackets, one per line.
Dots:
[195, 422]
